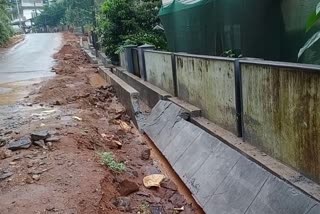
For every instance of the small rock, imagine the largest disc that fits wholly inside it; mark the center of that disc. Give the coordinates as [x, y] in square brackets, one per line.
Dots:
[22, 143]
[12, 163]
[157, 200]
[57, 103]
[53, 139]
[125, 126]
[39, 135]
[16, 158]
[3, 141]
[177, 199]
[36, 177]
[143, 194]
[40, 143]
[153, 180]
[49, 144]
[5, 174]
[115, 144]
[127, 187]
[8, 132]
[122, 203]
[5, 153]
[135, 173]
[156, 209]
[52, 209]
[168, 184]
[29, 180]
[145, 154]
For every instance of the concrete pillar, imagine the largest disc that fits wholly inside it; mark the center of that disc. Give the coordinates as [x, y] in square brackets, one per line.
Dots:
[127, 62]
[142, 63]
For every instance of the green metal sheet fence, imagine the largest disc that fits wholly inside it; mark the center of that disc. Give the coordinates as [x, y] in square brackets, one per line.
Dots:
[268, 29]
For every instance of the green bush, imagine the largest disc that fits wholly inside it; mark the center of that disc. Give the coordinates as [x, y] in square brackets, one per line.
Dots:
[123, 22]
[5, 28]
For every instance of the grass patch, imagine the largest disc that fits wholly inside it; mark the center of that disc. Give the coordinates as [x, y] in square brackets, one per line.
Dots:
[107, 159]
[144, 208]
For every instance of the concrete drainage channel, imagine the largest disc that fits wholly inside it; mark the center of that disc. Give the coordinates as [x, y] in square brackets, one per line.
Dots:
[220, 178]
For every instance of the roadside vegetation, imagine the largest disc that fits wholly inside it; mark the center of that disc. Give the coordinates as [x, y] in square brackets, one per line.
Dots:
[123, 22]
[69, 12]
[5, 28]
[107, 159]
[116, 22]
[313, 20]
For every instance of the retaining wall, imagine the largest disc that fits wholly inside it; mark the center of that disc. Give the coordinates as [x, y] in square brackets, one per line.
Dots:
[281, 113]
[209, 83]
[159, 70]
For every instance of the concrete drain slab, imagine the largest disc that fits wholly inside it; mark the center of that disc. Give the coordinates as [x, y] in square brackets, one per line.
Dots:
[221, 179]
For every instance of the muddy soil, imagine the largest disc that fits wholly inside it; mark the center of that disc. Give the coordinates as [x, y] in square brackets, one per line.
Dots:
[66, 174]
[13, 41]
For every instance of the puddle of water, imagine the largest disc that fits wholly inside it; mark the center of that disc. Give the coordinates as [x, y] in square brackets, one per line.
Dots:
[5, 90]
[11, 93]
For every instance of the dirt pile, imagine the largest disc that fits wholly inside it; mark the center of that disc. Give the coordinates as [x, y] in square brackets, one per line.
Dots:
[98, 164]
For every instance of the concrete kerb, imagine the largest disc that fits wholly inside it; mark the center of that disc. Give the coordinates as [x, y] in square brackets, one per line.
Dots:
[149, 93]
[104, 59]
[90, 56]
[222, 179]
[127, 95]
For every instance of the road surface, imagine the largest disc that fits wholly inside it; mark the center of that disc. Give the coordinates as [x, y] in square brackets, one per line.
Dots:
[30, 59]
[27, 62]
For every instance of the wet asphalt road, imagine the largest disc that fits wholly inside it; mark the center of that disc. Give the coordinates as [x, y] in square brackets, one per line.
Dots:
[30, 59]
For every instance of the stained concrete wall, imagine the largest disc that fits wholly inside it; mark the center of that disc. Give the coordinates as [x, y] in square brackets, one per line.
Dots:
[281, 113]
[209, 83]
[159, 69]
[221, 179]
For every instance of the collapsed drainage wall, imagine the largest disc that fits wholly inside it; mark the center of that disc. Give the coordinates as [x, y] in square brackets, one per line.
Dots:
[127, 95]
[221, 179]
[148, 93]
[271, 105]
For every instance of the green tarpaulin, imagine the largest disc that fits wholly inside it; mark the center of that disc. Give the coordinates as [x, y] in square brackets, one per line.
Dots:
[268, 29]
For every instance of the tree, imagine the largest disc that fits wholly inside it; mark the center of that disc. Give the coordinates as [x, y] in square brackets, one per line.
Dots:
[5, 28]
[122, 22]
[52, 15]
[79, 12]
[72, 12]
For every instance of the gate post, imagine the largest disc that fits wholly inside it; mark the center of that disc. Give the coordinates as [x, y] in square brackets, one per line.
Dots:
[126, 59]
[142, 62]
